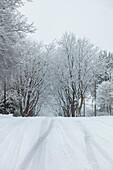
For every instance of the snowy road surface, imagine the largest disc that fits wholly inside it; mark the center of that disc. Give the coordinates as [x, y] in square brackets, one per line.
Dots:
[56, 143]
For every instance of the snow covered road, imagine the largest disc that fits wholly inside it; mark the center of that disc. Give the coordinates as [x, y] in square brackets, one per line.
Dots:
[56, 143]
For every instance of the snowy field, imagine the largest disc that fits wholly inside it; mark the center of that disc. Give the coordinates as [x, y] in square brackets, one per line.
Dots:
[56, 143]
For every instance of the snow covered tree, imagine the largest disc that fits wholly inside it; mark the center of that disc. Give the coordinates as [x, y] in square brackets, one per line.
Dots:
[13, 26]
[105, 96]
[73, 73]
[102, 72]
[27, 87]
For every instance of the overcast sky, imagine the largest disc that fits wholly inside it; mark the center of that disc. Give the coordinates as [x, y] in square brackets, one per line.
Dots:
[86, 18]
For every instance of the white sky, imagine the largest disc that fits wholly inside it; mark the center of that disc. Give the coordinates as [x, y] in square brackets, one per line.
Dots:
[86, 18]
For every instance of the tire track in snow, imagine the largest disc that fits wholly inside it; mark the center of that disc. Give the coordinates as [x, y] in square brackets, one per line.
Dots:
[90, 152]
[71, 151]
[109, 130]
[12, 142]
[21, 140]
[60, 135]
[9, 130]
[104, 123]
[32, 153]
[90, 144]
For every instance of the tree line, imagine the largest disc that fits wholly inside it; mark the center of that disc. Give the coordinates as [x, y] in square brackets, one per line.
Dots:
[61, 75]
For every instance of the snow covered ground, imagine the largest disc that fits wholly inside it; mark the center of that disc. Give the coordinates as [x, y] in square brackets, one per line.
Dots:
[56, 143]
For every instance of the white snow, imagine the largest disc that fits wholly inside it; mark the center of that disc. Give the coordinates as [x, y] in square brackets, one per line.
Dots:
[56, 143]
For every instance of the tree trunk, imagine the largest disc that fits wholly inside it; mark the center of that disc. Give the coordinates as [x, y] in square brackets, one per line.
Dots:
[107, 109]
[84, 106]
[73, 112]
[110, 109]
[78, 112]
[78, 108]
[95, 110]
[73, 109]
[73, 102]
[27, 106]
[4, 96]
[21, 111]
[68, 114]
